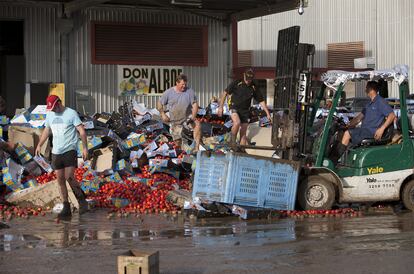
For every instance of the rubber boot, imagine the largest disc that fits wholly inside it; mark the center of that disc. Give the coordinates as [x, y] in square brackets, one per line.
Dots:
[81, 197]
[65, 213]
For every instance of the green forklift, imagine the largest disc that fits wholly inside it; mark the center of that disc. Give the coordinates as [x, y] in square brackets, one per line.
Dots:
[372, 171]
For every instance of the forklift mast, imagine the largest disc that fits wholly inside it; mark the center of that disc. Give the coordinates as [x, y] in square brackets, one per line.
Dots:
[292, 93]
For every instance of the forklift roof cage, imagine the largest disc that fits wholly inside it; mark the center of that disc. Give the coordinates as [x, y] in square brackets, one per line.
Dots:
[334, 78]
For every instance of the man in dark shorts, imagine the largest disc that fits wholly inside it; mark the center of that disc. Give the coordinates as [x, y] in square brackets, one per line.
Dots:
[64, 123]
[372, 117]
[242, 92]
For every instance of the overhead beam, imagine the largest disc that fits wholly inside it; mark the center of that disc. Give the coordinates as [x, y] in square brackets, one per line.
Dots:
[76, 5]
[283, 6]
[181, 10]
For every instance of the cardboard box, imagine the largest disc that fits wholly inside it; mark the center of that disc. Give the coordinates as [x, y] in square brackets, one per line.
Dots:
[158, 162]
[119, 202]
[30, 183]
[4, 120]
[154, 127]
[41, 196]
[90, 186]
[39, 113]
[88, 125]
[93, 143]
[139, 262]
[124, 167]
[10, 180]
[29, 137]
[12, 175]
[43, 164]
[22, 153]
[139, 180]
[114, 178]
[134, 142]
[21, 118]
[32, 168]
[104, 159]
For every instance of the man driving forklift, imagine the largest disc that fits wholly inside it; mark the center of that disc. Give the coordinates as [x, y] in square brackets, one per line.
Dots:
[373, 125]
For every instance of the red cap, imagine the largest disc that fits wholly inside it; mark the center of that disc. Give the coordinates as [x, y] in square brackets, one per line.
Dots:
[51, 102]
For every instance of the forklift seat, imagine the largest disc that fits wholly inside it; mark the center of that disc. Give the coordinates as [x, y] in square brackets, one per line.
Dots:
[385, 139]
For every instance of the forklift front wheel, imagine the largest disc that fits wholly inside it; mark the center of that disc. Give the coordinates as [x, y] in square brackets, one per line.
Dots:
[408, 195]
[316, 193]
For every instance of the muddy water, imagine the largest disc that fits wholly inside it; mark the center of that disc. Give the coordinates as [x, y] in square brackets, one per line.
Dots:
[90, 244]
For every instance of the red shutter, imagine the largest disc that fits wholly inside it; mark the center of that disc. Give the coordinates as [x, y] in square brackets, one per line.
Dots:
[126, 44]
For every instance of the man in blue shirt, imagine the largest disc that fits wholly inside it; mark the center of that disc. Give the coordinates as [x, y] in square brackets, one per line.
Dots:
[372, 117]
[65, 124]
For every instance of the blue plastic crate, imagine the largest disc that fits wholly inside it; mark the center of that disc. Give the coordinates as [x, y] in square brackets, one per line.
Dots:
[246, 180]
[211, 176]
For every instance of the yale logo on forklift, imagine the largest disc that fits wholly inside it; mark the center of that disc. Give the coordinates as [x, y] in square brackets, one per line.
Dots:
[375, 170]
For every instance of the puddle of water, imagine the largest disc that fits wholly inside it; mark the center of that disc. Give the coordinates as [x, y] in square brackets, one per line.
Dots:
[94, 229]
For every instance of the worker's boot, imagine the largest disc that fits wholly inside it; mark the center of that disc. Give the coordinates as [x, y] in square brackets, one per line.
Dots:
[81, 197]
[337, 152]
[232, 142]
[65, 213]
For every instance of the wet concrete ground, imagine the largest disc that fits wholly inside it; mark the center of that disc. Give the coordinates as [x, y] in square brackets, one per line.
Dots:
[381, 243]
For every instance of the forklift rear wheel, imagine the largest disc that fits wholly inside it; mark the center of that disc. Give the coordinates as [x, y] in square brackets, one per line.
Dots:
[408, 195]
[315, 193]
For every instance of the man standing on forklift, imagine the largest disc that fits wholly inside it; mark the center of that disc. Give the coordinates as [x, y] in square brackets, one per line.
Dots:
[372, 117]
[242, 92]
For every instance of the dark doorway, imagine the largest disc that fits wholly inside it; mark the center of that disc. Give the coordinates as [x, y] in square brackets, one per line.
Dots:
[12, 65]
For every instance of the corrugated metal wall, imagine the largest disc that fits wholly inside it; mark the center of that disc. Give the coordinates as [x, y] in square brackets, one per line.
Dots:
[40, 37]
[386, 27]
[396, 36]
[101, 79]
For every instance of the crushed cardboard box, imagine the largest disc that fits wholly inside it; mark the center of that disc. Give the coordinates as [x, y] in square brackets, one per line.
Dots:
[29, 137]
[104, 159]
[41, 196]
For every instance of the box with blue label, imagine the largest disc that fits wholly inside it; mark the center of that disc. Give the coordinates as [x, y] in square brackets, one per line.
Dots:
[114, 178]
[39, 113]
[22, 153]
[88, 125]
[134, 142]
[93, 143]
[12, 181]
[139, 180]
[154, 127]
[120, 202]
[43, 164]
[90, 186]
[21, 118]
[124, 167]
[4, 120]
[30, 183]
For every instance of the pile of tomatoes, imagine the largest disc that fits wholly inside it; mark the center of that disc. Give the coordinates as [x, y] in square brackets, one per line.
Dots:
[142, 197]
[342, 212]
[46, 178]
[7, 212]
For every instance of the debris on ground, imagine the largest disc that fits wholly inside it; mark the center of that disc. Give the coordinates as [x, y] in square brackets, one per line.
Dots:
[135, 168]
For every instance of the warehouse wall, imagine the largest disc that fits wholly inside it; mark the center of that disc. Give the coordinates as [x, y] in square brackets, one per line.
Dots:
[40, 37]
[101, 79]
[43, 49]
[386, 27]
